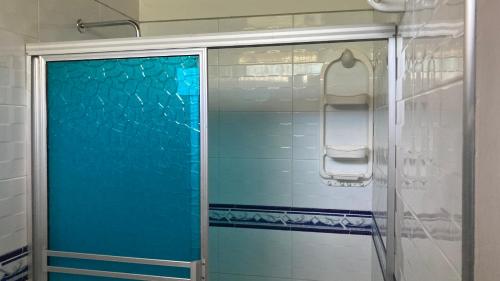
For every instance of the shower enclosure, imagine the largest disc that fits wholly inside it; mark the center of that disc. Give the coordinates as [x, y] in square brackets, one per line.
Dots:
[132, 139]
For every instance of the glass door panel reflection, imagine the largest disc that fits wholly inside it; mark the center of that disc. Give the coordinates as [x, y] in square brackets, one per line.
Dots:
[123, 140]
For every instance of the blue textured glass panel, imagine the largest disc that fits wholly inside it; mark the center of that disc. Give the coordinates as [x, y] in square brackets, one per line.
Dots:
[124, 161]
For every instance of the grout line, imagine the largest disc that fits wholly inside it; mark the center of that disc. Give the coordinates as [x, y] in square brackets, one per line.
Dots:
[442, 86]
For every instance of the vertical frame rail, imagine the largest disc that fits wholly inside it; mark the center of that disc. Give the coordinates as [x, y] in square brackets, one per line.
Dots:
[391, 169]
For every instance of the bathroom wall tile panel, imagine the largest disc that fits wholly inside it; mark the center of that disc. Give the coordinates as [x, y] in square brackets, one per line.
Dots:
[377, 274]
[256, 134]
[13, 233]
[380, 169]
[14, 240]
[13, 205]
[380, 138]
[12, 223]
[320, 256]
[213, 58]
[213, 250]
[408, 53]
[233, 277]
[213, 130]
[309, 190]
[179, 27]
[19, 16]
[306, 135]
[423, 260]
[266, 98]
[212, 276]
[333, 18]
[437, 61]
[326, 52]
[255, 252]
[255, 182]
[255, 23]
[256, 55]
[429, 180]
[430, 122]
[213, 179]
[450, 13]
[12, 187]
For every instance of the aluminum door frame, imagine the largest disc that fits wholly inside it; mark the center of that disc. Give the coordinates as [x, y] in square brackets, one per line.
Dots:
[39, 218]
[39, 53]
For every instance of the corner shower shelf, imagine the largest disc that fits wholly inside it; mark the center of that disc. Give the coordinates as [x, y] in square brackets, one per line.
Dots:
[331, 170]
[346, 152]
[360, 99]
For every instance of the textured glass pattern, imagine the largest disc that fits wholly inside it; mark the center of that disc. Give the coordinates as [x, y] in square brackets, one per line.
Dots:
[124, 161]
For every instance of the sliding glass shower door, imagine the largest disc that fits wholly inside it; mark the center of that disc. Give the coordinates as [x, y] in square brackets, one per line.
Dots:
[124, 157]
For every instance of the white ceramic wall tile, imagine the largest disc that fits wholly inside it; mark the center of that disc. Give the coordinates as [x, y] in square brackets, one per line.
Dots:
[16, 239]
[13, 205]
[213, 133]
[380, 140]
[17, 27]
[179, 27]
[234, 277]
[430, 177]
[323, 256]
[213, 250]
[255, 182]
[12, 187]
[255, 252]
[377, 274]
[256, 55]
[256, 135]
[255, 23]
[212, 276]
[306, 135]
[12, 224]
[429, 141]
[423, 259]
[266, 98]
[213, 179]
[334, 18]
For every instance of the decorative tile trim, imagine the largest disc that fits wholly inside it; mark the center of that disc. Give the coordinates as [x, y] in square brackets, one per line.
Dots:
[14, 265]
[291, 218]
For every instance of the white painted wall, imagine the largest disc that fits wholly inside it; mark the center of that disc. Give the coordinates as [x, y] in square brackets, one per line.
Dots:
[487, 142]
[429, 142]
[154, 10]
[57, 19]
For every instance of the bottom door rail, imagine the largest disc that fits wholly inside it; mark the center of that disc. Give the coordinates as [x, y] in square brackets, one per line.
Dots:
[194, 266]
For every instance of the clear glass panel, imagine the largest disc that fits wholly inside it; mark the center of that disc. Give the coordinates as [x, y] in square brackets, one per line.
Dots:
[124, 161]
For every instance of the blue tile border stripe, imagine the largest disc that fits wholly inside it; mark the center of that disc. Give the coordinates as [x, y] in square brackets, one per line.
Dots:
[291, 218]
[13, 255]
[13, 265]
